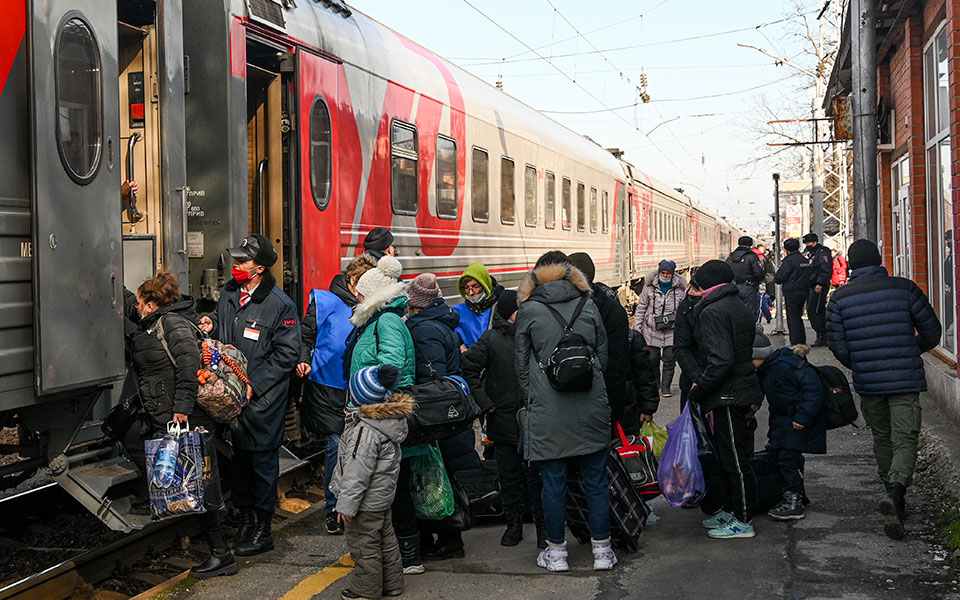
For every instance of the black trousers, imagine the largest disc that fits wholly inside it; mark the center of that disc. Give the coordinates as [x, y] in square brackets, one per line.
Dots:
[404, 517]
[729, 480]
[520, 483]
[255, 477]
[791, 470]
[798, 335]
[663, 357]
[817, 312]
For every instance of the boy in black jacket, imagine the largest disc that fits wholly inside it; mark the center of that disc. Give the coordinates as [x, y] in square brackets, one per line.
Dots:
[489, 368]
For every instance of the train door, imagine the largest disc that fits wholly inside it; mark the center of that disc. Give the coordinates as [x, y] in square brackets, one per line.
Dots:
[625, 227]
[75, 187]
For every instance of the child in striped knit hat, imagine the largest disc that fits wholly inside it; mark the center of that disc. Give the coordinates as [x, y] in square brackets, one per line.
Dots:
[365, 481]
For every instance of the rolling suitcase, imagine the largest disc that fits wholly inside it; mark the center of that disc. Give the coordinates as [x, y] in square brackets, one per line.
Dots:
[628, 511]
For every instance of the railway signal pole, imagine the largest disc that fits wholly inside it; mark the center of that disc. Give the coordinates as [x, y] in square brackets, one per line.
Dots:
[863, 48]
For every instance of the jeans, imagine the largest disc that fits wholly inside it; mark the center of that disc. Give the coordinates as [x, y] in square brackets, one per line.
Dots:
[593, 471]
[729, 480]
[520, 485]
[663, 355]
[798, 335]
[330, 450]
[791, 470]
[895, 423]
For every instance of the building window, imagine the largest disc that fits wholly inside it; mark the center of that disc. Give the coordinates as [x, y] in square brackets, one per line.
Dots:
[507, 192]
[565, 203]
[403, 157]
[480, 186]
[581, 207]
[550, 201]
[593, 210]
[79, 110]
[320, 153]
[446, 177]
[605, 225]
[530, 196]
[941, 222]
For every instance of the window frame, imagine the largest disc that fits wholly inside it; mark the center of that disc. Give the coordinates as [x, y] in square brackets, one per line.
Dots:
[322, 206]
[552, 222]
[456, 181]
[416, 158]
[513, 190]
[536, 201]
[581, 207]
[605, 212]
[486, 174]
[98, 157]
[594, 209]
[568, 203]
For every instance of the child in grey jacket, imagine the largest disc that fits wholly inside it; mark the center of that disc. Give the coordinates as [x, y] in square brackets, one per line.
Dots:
[366, 479]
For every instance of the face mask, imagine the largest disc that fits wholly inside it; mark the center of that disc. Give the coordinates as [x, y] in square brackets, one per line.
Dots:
[477, 299]
[241, 276]
[665, 280]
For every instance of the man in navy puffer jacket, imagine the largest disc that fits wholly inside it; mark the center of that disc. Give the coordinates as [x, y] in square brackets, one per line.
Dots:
[878, 326]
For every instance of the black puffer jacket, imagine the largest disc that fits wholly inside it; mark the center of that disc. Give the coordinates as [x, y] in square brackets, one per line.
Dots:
[794, 276]
[685, 334]
[166, 388]
[820, 265]
[725, 352]
[436, 344]
[617, 326]
[642, 397]
[746, 266]
[490, 369]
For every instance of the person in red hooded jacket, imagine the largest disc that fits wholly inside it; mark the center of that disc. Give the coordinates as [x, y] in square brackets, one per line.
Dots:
[839, 269]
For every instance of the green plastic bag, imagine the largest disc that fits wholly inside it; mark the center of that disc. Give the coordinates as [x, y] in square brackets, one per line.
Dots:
[659, 435]
[430, 487]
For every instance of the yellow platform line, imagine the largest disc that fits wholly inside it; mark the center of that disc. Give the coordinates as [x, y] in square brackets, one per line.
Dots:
[321, 580]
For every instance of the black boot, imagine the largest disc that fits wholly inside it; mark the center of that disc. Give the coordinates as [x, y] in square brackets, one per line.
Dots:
[892, 507]
[244, 530]
[262, 538]
[514, 532]
[410, 554]
[221, 562]
[819, 342]
[541, 532]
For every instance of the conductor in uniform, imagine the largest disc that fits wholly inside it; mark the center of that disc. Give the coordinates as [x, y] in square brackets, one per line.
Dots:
[255, 315]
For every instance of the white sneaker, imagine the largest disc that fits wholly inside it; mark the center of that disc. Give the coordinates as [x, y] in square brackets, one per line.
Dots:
[413, 570]
[603, 557]
[554, 558]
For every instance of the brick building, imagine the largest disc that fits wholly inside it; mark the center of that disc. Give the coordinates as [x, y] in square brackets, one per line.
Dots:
[918, 159]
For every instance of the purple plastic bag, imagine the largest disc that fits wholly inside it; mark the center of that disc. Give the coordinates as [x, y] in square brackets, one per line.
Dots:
[680, 473]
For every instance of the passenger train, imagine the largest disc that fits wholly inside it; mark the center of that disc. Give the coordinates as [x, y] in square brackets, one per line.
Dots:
[302, 120]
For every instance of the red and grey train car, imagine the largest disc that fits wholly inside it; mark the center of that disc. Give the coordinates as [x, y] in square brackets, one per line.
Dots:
[305, 121]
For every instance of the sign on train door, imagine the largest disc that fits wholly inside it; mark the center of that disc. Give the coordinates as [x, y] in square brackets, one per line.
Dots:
[317, 80]
[78, 271]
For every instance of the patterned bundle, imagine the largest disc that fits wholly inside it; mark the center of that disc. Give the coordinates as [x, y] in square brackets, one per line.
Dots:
[223, 381]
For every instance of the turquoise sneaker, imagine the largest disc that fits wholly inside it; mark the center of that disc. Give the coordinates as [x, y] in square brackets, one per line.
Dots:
[733, 529]
[719, 519]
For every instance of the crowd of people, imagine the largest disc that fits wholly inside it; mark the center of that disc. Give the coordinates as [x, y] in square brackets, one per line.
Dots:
[364, 341]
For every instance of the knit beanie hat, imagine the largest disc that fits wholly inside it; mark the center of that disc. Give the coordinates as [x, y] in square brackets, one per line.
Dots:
[507, 304]
[745, 240]
[810, 237]
[582, 261]
[379, 239]
[762, 348]
[667, 265]
[714, 272]
[863, 253]
[791, 244]
[423, 290]
[372, 384]
[387, 272]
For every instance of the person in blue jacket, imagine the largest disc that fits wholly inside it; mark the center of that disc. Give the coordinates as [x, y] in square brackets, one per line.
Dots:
[879, 326]
[766, 304]
[797, 424]
[480, 292]
[325, 328]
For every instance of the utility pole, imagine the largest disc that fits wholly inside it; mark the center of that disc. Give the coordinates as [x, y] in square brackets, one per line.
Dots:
[864, 54]
[778, 328]
[817, 184]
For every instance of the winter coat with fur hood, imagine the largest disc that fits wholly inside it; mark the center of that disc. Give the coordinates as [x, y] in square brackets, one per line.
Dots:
[794, 393]
[653, 303]
[368, 459]
[559, 424]
[383, 335]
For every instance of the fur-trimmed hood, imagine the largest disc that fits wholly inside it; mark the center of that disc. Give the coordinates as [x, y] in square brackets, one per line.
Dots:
[678, 280]
[383, 297]
[801, 350]
[388, 417]
[550, 273]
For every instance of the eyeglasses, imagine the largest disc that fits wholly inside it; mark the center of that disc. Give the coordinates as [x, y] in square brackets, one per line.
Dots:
[472, 287]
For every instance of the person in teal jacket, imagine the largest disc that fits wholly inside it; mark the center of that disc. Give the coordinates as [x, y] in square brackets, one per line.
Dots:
[480, 292]
[380, 336]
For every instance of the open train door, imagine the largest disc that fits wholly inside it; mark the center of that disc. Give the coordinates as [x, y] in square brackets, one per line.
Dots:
[77, 259]
[317, 101]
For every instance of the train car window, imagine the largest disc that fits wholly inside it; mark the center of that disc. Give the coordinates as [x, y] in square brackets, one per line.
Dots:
[79, 103]
[605, 217]
[320, 153]
[530, 196]
[508, 207]
[581, 207]
[446, 177]
[593, 210]
[403, 153]
[565, 203]
[550, 201]
[480, 186]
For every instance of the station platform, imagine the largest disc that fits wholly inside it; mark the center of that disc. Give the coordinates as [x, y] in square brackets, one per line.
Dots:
[838, 551]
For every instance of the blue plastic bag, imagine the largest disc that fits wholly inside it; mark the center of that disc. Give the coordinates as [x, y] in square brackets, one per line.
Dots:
[680, 474]
[185, 494]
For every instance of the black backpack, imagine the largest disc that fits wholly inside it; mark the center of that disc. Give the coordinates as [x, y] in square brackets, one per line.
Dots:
[570, 366]
[838, 403]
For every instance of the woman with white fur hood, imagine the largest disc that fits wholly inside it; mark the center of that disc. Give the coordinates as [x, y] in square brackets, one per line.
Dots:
[656, 313]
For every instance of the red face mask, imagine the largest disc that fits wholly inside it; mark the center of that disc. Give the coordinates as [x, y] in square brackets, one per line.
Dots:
[241, 276]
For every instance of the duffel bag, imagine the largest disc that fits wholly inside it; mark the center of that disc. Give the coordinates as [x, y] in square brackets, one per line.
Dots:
[483, 489]
[442, 408]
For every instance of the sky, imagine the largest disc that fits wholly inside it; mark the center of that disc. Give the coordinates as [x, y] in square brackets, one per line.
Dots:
[608, 44]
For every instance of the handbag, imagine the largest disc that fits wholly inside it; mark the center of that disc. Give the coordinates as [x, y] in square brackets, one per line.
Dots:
[640, 463]
[122, 417]
[664, 320]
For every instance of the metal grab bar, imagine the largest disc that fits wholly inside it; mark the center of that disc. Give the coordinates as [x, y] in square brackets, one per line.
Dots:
[261, 224]
[183, 217]
[133, 213]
